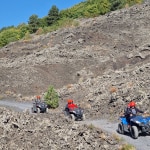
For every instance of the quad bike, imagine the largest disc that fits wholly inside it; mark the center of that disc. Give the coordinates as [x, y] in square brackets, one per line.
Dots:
[76, 114]
[138, 124]
[39, 107]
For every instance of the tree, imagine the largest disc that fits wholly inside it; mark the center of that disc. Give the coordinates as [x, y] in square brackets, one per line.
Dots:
[33, 23]
[3, 41]
[6, 28]
[132, 2]
[10, 35]
[53, 15]
[23, 29]
[43, 22]
[103, 6]
[51, 98]
[117, 4]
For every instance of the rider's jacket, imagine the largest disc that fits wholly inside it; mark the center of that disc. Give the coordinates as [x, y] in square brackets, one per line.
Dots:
[133, 111]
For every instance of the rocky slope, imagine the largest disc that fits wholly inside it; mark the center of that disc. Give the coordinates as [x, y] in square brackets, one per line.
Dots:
[50, 132]
[102, 64]
[84, 62]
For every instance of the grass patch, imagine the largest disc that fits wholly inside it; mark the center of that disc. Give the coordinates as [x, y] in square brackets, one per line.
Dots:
[1, 97]
[91, 126]
[117, 137]
[127, 147]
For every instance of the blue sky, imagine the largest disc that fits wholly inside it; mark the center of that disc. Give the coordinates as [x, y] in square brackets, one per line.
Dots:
[15, 12]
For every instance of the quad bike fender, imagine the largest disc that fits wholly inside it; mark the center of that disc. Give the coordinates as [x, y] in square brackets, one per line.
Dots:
[123, 120]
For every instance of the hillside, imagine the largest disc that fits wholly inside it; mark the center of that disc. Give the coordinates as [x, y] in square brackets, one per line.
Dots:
[102, 64]
[84, 62]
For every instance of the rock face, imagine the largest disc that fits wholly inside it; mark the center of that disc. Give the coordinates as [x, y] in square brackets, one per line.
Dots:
[102, 64]
[50, 131]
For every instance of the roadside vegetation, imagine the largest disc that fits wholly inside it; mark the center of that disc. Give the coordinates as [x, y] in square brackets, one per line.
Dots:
[127, 147]
[56, 19]
[51, 98]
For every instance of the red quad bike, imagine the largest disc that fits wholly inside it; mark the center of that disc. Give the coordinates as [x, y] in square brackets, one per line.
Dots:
[75, 114]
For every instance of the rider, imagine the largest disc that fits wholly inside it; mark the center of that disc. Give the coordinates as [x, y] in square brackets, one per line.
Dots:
[70, 106]
[132, 111]
[38, 99]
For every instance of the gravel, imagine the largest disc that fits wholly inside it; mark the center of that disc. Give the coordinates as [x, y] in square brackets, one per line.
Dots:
[142, 143]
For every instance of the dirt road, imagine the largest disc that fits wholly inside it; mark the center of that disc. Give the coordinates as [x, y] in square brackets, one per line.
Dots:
[18, 106]
[142, 143]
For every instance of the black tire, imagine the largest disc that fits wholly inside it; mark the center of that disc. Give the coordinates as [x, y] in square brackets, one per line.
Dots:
[46, 111]
[134, 132]
[83, 117]
[38, 110]
[32, 110]
[120, 128]
[72, 117]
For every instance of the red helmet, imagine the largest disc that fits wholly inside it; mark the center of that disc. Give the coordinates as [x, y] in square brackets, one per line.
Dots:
[132, 104]
[70, 101]
[38, 97]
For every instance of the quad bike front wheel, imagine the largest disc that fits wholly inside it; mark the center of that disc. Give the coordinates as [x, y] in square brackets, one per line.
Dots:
[72, 117]
[134, 132]
[83, 117]
[120, 128]
[38, 110]
[46, 110]
[32, 110]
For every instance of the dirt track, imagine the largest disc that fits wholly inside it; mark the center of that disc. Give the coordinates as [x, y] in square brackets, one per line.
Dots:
[18, 106]
[142, 143]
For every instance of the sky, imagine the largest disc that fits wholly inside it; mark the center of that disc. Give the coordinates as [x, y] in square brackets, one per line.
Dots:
[15, 12]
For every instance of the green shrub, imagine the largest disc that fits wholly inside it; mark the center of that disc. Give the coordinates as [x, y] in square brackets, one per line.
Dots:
[128, 147]
[27, 36]
[9, 35]
[1, 97]
[91, 126]
[67, 22]
[51, 98]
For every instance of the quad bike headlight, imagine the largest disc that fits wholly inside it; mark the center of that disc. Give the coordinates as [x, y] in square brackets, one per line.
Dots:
[137, 122]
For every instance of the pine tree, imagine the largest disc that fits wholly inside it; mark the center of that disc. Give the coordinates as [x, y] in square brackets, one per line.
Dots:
[53, 15]
[51, 98]
[33, 23]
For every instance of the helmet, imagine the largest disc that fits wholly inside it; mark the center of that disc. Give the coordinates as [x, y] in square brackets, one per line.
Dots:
[132, 104]
[38, 97]
[70, 101]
